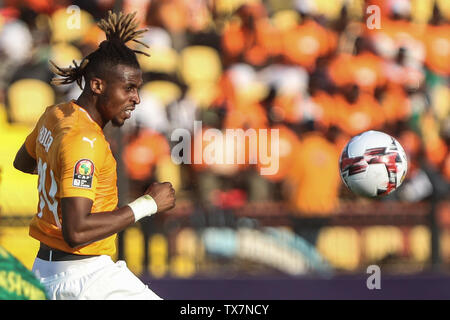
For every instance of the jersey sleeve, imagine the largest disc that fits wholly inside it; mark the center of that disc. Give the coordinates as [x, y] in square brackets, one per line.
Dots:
[30, 141]
[81, 157]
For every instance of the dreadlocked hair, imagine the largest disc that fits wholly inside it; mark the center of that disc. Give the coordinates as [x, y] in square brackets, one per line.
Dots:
[119, 29]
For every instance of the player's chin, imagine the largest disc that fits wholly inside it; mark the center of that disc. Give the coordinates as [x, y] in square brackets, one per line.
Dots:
[117, 122]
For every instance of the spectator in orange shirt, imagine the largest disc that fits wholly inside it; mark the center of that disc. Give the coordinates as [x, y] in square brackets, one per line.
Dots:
[307, 42]
[357, 112]
[412, 144]
[363, 68]
[170, 15]
[288, 145]
[314, 176]
[250, 116]
[141, 155]
[327, 109]
[437, 43]
[251, 39]
[394, 102]
[313, 183]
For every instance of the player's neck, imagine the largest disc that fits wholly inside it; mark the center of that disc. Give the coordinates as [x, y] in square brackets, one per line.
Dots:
[88, 103]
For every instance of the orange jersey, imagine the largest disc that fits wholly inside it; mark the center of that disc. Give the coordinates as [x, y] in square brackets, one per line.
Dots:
[362, 115]
[325, 109]
[308, 41]
[74, 160]
[314, 175]
[365, 69]
[143, 153]
[288, 145]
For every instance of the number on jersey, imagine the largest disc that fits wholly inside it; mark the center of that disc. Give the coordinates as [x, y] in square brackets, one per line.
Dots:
[49, 199]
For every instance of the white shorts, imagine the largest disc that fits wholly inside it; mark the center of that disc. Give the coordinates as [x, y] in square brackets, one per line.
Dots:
[96, 278]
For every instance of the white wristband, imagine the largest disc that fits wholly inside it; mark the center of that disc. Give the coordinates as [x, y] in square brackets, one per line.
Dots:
[143, 207]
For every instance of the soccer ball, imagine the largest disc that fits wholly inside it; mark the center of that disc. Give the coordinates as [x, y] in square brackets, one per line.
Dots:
[373, 164]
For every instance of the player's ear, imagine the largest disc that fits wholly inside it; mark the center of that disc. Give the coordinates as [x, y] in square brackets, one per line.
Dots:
[97, 85]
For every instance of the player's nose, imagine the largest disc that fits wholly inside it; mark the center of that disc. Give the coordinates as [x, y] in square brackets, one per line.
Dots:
[136, 99]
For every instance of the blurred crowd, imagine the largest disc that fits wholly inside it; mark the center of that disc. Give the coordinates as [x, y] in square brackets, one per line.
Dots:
[319, 71]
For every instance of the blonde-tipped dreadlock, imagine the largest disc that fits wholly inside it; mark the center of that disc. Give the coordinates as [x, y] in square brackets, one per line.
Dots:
[70, 74]
[122, 27]
[119, 29]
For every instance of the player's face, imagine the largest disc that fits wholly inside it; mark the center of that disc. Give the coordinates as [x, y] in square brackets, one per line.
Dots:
[122, 94]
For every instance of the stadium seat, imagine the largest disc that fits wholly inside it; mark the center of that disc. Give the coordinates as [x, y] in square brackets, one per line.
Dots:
[420, 239]
[381, 241]
[422, 11]
[440, 96]
[188, 244]
[340, 246]
[63, 54]
[158, 253]
[331, 9]
[445, 245]
[247, 88]
[203, 93]
[134, 249]
[183, 264]
[285, 19]
[227, 7]
[163, 60]
[200, 64]
[167, 170]
[28, 99]
[165, 91]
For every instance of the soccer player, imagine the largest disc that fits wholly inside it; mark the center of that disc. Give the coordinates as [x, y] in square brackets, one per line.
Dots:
[78, 217]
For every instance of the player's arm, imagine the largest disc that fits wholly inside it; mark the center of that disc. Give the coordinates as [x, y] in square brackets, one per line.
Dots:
[81, 227]
[24, 161]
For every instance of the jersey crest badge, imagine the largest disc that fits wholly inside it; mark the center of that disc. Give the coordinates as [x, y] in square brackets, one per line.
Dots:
[83, 173]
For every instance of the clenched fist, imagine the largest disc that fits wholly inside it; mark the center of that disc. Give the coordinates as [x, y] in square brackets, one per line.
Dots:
[163, 194]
